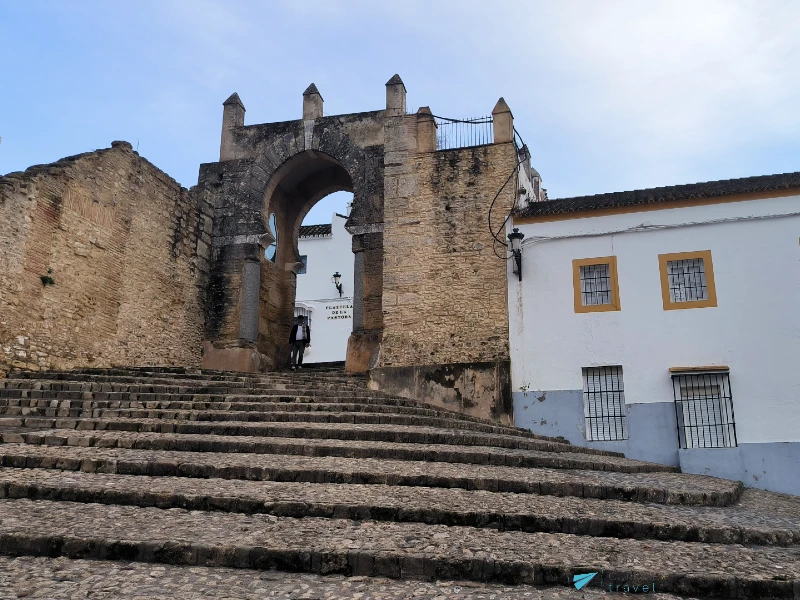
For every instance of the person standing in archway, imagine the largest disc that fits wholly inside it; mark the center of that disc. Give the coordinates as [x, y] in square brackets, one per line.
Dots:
[299, 340]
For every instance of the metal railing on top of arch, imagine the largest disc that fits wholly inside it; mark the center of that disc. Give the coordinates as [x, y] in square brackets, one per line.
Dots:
[462, 133]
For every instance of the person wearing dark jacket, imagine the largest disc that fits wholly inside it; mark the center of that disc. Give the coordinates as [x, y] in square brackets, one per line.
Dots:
[299, 340]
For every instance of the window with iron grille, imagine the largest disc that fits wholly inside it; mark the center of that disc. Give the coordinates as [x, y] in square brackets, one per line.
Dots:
[687, 280]
[595, 284]
[704, 410]
[604, 404]
[302, 270]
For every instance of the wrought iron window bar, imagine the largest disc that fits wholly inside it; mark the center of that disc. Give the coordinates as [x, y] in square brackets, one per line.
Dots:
[604, 404]
[704, 410]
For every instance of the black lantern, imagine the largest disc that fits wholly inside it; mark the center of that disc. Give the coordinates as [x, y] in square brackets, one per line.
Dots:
[335, 280]
[515, 239]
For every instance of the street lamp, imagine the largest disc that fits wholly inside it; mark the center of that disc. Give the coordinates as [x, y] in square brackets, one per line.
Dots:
[515, 239]
[335, 280]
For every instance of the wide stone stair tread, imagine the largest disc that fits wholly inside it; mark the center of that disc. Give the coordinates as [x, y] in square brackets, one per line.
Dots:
[662, 488]
[188, 381]
[244, 402]
[176, 536]
[40, 388]
[331, 447]
[56, 406]
[66, 579]
[333, 414]
[210, 415]
[503, 511]
[313, 471]
[407, 434]
[11, 395]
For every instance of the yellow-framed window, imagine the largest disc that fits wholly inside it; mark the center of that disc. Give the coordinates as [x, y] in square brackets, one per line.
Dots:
[595, 284]
[687, 280]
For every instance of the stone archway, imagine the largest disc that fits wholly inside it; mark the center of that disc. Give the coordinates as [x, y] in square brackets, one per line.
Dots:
[284, 169]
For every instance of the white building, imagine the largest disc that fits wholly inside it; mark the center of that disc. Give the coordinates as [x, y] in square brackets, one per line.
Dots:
[665, 324]
[326, 250]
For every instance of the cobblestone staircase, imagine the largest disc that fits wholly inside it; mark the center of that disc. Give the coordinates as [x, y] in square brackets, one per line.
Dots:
[311, 472]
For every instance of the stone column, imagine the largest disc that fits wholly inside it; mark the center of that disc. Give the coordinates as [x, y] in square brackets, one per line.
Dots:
[232, 116]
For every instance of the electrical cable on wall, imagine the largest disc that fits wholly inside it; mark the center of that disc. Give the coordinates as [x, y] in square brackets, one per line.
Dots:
[515, 171]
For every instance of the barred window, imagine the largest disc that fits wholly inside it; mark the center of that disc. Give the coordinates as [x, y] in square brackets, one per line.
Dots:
[604, 404]
[687, 280]
[704, 410]
[304, 268]
[595, 284]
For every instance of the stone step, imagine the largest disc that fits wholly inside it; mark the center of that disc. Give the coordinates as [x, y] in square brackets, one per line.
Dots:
[302, 405]
[66, 578]
[256, 416]
[298, 378]
[146, 393]
[404, 550]
[306, 371]
[152, 386]
[658, 487]
[404, 434]
[62, 404]
[435, 506]
[327, 447]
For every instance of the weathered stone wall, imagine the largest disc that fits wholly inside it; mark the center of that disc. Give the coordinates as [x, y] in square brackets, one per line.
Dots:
[444, 292]
[127, 248]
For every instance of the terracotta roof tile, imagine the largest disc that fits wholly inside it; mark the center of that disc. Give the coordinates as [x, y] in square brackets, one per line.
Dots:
[674, 193]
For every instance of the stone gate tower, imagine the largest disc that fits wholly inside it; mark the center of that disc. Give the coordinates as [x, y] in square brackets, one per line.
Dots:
[430, 313]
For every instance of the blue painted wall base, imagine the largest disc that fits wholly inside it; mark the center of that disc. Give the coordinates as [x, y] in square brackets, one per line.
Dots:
[774, 466]
[653, 437]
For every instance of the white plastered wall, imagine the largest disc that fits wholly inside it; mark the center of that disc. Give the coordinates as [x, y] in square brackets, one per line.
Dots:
[755, 329]
[331, 316]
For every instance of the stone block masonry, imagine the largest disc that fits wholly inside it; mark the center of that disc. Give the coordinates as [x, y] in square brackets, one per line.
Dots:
[127, 250]
[445, 307]
[444, 287]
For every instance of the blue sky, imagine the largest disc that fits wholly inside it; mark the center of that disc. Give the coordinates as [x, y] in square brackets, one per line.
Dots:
[609, 96]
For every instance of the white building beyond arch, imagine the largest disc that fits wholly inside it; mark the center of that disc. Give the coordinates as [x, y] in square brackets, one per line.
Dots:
[326, 249]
